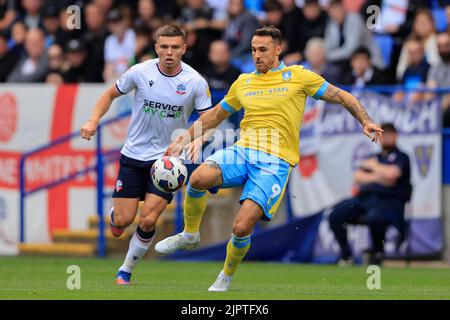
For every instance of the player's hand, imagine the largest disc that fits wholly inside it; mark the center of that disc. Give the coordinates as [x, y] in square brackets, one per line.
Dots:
[193, 149]
[373, 131]
[174, 149]
[89, 129]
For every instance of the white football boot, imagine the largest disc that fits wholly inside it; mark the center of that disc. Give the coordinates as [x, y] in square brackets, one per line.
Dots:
[222, 283]
[177, 242]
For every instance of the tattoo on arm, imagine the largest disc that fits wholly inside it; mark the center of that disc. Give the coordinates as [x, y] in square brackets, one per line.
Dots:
[336, 95]
[212, 164]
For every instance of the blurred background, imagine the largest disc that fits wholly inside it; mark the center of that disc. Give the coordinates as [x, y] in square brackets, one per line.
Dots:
[56, 58]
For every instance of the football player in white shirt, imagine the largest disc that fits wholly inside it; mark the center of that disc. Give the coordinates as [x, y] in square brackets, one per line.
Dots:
[166, 92]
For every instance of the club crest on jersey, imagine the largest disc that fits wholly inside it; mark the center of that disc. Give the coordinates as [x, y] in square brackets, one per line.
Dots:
[181, 89]
[286, 75]
[119, 185]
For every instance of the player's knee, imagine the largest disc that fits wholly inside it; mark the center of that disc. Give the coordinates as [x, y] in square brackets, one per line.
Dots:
[241, 229]
[121, 220]
[200, 180]
[148, 222]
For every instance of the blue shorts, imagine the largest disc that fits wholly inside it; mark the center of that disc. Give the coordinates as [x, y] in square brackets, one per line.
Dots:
[263, 176]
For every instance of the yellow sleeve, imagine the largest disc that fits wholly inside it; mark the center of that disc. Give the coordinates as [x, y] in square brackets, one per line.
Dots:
[314, 84]
[230, 102]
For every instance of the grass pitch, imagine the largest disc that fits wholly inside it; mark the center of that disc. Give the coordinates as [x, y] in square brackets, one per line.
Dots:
[45, 278]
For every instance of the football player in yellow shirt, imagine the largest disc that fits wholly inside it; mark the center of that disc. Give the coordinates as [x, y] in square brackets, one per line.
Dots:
[273, 98]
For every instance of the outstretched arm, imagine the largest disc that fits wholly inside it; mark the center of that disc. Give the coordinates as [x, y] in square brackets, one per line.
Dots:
[102, 106]
[335, 95]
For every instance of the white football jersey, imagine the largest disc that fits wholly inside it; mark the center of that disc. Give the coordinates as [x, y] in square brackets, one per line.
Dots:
[162, 104]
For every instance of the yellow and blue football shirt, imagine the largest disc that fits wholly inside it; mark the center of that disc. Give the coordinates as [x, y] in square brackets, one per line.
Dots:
[273, 105]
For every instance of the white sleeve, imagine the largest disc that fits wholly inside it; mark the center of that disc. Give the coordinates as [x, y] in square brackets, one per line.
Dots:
[127, 82]
[202, 100]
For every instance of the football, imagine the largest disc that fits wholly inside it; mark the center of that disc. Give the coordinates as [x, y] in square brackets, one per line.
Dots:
[168, 174]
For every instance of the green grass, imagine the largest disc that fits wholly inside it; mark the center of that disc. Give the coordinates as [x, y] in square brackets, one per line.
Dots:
[45, 278]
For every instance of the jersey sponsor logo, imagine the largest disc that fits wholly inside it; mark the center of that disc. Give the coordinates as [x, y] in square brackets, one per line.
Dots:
[181, 89]
[286, 75]
[151, 83]
[161, 109]
[423, 154]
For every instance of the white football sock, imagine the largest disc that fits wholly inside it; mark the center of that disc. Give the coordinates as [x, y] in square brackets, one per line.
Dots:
[136, 251]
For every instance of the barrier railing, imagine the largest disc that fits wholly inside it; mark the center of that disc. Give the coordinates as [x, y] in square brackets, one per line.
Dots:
[106, 157]
[103, 158]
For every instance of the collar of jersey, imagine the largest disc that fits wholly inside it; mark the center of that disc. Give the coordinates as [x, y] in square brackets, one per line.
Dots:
[167, 75]
[281, 66]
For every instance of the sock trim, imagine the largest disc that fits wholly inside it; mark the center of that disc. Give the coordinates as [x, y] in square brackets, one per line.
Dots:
[194, 193]
[145, 236]
[240, 242]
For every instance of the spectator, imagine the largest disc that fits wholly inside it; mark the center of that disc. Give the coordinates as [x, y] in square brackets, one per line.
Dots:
[415, 75]
[18, 35]
[148, 15]
[75, 55]
[220, 74]
[220, 11]
[119, 46]
[33, 66]
[145, 47]
[54, 78]
[316, 61]
[55, 58]
[105, 5]
[68, 32]
[8, 58]
[312, 23]
[384, 188]
[239, 32]
[31, 16]
[196, 17]
[292, 17]
[7, 14]
[424, 30]
[362, 71]
[50, 21]
[346, 32]
[439, 75]
[94, 38]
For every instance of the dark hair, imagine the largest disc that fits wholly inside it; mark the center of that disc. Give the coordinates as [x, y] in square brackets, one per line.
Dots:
[388, 127]
[269, 31]
[363, 51]
[335, 3]
[273, 5]
[170, 30]
[309, 2]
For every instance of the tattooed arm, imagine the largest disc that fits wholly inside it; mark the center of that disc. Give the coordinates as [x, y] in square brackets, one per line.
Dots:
[335, 95]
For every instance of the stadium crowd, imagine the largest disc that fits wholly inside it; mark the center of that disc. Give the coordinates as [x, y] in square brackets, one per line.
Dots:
[407, 43]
